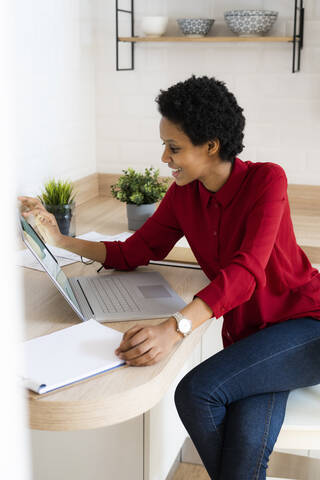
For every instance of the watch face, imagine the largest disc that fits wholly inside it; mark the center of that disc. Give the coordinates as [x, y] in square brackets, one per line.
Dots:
[184, 325]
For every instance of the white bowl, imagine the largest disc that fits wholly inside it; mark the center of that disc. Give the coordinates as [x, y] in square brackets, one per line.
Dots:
[154, 26]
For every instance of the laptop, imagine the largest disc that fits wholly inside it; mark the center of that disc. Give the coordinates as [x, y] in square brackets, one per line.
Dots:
[106, 298]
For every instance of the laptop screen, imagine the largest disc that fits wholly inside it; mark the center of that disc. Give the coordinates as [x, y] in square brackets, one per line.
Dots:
[48, 261]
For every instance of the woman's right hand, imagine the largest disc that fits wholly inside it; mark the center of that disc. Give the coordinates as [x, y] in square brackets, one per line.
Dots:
[45, 221]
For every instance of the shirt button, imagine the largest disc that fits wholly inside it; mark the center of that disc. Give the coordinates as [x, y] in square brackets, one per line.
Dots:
[215, 233]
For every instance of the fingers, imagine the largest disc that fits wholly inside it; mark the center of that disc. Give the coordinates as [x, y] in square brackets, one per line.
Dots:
[34, 211]
[136, 351]
[139, 346]
[28, 203]
[127, 341]
[150, 357]
[144, 345]
[41, 216]
[44, 218]
[131, 332]
[25, 199]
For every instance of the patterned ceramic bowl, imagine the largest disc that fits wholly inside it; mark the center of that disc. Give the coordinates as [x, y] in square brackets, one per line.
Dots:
[250, 22]
[195, 27]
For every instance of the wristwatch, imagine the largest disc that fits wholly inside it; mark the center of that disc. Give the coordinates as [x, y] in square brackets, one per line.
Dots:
[184, 325]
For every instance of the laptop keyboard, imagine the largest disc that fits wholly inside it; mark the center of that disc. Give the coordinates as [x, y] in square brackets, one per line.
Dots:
[112, 295]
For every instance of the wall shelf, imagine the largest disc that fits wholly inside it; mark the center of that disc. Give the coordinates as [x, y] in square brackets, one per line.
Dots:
[296, 39]
[206, 39]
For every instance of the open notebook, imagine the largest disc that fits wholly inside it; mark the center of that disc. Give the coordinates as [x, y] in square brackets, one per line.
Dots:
[69, 355]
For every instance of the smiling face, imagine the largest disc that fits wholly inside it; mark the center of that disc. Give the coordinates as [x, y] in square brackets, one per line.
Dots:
[190, 162]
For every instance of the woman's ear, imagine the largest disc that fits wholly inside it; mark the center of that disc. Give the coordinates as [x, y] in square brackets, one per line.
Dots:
[213, 146]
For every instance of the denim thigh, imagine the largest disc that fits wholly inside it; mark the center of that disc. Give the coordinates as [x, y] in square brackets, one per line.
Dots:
[279, 358]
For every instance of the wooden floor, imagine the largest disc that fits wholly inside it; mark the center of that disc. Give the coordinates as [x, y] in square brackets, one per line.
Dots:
[189, 471]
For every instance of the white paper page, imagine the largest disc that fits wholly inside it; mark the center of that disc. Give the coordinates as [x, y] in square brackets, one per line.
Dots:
[183, 242]
[61, 252]
[70, 355]
[26, 259]
[98, 237]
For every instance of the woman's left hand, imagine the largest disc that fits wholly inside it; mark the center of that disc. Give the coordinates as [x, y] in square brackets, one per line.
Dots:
[147, 345]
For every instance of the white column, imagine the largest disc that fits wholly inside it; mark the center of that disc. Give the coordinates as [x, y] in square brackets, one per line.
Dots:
[14, 461]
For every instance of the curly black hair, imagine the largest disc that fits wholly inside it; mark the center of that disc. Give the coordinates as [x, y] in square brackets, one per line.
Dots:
[205, 109]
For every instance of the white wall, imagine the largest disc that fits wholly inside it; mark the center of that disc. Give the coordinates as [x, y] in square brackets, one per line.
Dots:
[282, 109]
[14, 461]
[77, 115]
[55, 92]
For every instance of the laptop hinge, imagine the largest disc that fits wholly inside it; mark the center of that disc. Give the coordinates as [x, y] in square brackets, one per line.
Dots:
[81, 297]
[85, 296]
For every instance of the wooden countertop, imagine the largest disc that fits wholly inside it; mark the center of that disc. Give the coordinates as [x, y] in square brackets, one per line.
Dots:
[123, 393]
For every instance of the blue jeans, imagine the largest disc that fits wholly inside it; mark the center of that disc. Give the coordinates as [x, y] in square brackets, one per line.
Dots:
[233, 404]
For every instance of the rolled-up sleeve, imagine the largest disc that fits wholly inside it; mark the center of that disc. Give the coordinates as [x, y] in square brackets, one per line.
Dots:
[153, 241]
[236, 282]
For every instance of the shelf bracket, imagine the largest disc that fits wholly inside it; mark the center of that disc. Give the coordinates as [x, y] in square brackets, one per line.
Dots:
[131, 13]
[298, 30]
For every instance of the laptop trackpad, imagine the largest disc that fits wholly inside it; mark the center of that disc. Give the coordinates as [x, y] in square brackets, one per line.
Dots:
[154, 291]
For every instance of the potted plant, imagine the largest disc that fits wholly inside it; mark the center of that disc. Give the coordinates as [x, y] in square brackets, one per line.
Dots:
[140, 191]
[58, 198]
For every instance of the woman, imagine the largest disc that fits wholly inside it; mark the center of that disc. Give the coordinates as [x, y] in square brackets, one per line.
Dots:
[236, 218]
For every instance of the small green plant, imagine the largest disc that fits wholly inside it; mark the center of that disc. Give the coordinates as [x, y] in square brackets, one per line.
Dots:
[140, 188]
[57, 193]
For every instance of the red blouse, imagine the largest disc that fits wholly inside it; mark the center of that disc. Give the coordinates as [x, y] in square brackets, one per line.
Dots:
[243, 239]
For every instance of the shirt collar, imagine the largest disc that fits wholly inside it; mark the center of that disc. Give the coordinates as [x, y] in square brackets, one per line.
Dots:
[227, 192]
